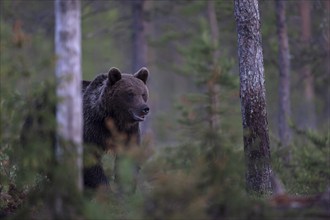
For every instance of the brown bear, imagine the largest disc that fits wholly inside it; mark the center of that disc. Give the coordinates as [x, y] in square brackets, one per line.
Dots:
[113, 104]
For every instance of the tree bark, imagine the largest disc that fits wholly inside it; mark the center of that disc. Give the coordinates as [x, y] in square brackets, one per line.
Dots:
[308, 119]
[140, 29]
[284, 79]
[140, 48]
[213, 86]
[326, 34]
[253, 98]
[69, 148]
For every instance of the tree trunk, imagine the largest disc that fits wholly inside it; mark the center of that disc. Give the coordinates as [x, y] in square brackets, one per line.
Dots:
[140, 30]
[308, 119]
[139, 53]
[326, 34]
[284, 79]
[69, 148]
[213, 86]
[253, 98]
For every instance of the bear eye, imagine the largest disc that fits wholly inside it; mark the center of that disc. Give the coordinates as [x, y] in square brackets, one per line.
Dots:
[144, 96]
[130, 94]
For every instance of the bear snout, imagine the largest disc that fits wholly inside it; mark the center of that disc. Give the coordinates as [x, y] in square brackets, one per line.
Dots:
[145, 110]
[140, 113]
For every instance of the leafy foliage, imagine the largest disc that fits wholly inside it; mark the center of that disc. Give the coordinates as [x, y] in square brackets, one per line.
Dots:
[308, 172]
[27, 119]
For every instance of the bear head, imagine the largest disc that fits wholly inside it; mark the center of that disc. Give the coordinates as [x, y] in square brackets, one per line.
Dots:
[126, 95]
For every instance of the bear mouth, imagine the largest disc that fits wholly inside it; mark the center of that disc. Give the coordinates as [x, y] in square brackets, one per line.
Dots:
[138, 117]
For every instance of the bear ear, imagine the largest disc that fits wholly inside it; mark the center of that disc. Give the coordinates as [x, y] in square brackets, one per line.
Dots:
[142, 74]
[114, 75]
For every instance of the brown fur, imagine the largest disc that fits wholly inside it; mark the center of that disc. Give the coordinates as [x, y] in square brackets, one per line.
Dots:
[112, 103]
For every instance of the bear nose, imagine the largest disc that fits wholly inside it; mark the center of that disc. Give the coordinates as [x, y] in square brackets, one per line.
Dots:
[146, 110]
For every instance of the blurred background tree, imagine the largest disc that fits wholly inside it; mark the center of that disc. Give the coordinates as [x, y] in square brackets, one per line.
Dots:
[284, 114]
[193, 170]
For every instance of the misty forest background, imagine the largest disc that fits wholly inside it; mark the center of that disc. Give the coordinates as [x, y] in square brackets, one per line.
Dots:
[188, 170]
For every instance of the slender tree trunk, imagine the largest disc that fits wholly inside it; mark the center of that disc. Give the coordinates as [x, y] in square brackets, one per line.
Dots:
[140, 28]
[253, 98]
[139, 52]
[213, 86]
[69, 108]
[308, 119]
[326, 34]
[284, 80]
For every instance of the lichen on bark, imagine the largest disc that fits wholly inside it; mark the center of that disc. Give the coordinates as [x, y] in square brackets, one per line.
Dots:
[253, 98]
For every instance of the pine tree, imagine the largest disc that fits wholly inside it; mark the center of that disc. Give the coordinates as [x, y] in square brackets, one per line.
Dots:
[284, 78]
[253, 98]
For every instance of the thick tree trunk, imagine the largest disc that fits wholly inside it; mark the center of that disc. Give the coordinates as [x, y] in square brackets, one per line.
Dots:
[69, 108]
[308, 119]
[284, 79]
[213, 86]
[253, 100]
